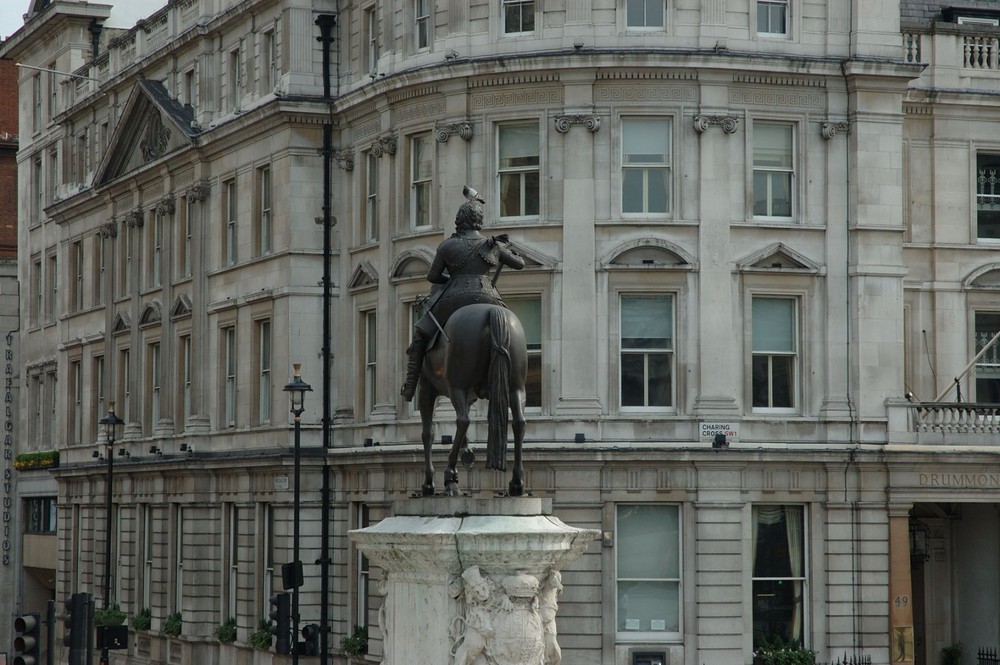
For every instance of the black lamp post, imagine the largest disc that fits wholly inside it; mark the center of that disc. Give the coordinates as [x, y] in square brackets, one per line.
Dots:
[110, 422]
[296, 392]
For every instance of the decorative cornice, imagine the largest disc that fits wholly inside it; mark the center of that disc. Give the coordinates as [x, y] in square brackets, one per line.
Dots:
[830, 129]
[344, 159]
[385, 144]
[729, 123]
[445, 130]
[165, 206]
[198, 192]
[590, 121]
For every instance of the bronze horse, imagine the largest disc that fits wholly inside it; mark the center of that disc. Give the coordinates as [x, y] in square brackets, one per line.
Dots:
[482, 354]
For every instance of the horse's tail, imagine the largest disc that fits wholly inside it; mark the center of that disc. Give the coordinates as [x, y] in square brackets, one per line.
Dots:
[498, 390]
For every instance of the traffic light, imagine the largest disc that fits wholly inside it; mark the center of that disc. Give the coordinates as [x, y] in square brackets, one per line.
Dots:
[310, 635]
[281, 622]
[75, 625]
[27, 640]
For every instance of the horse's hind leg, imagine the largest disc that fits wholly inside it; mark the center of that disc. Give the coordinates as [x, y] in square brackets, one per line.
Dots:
[516, 485]
[426, 399]
[461, 404]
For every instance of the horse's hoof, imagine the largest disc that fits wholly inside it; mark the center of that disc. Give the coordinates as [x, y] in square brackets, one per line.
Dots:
[515, 489]
[452, 490]
[468, 458]
[427, 489]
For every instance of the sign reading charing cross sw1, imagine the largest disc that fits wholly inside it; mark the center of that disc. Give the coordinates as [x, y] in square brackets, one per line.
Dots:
[707, 431]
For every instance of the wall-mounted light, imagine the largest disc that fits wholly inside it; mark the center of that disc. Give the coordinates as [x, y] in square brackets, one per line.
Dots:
[720, 442]
[446, 440]
[918, 542]
[579, 438]
[97, 455]
[185, 448]
[153, 450]
[124, 453]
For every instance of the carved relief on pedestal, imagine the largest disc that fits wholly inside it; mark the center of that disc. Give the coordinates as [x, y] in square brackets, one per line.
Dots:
[505, 622]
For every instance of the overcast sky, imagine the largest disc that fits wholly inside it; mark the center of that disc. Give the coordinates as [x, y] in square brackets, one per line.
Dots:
[124, 14]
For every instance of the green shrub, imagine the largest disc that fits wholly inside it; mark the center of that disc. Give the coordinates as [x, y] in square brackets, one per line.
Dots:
[44, 459]
[112, 616]
[172, 624]
[356, 644]
[262, 638]
[142, 620]
[226, 631]
[952, 655]
[780, 653]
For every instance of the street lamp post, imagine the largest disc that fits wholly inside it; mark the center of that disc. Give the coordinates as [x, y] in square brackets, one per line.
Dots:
[110, 422]
[296, 392]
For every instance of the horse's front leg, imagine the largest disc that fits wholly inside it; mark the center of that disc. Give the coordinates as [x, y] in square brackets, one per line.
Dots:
[461, 404]
[516, 485]
[426, 399]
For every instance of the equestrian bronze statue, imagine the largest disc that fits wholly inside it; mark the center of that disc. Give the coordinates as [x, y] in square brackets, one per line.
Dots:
[467, 346]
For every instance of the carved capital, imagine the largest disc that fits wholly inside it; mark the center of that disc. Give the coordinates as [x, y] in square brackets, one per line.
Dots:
[165, 206]
[590, 121]
[198, 192]
[729, 123]
[445, 131]
[108, 229]
[830, 129]
[344, 159]
[133, 218]
[383, 145]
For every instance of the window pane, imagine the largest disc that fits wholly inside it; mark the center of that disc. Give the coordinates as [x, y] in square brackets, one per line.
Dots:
[777, 612]
[782, 381]
[773, 324]
[648, 606]
[761, 381]
[510, 195]
[648, 542]
[645, 140]
[634, 379]
[632, 187]
[772, 145]
[518, 145]
[778, 541]
[657, 193]
[659, 379]
[781, 194]
[421, 158]
[531, 191]
[647, 322]
[529, 312]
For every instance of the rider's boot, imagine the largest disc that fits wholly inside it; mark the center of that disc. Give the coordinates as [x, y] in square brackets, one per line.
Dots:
[415, 354]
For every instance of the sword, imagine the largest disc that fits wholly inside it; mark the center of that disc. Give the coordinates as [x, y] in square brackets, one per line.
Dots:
[438, 324]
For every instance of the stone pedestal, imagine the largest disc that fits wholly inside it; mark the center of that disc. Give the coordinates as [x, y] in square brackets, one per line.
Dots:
[464, 576]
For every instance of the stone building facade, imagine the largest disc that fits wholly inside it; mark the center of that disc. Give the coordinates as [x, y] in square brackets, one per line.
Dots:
[769, 220]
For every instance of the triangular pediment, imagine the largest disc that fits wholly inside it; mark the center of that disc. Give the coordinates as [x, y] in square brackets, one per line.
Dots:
[153, 124]
[181, 308]
[365, 276]
[121, 324]
[532, 257]
[778, 258]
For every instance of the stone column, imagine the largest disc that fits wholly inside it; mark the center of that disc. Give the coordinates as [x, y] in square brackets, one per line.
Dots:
[900, 587]
[464, 575]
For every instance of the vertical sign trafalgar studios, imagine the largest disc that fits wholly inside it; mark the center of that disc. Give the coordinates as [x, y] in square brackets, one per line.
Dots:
[8, 445]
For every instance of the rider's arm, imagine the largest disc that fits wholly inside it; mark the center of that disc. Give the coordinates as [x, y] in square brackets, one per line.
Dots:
[509, 258]
[436, 274]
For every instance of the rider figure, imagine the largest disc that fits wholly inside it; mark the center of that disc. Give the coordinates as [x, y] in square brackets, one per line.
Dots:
[470, 259]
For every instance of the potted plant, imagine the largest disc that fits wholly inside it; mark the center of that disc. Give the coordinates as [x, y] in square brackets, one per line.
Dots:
[143, 620]
[225, 632]
[172, 624]
[262, 638]
[44, 459]
[355, 644]
[952, 655]
[113, 616]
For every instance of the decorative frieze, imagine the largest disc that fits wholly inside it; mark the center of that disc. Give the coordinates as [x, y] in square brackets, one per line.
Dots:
[644, 93]
[729, 123]
[516, 97]
[776, 97]
[590, 121]
[445, 131]
[155, 137]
